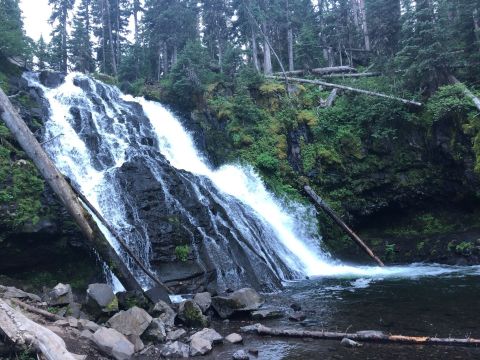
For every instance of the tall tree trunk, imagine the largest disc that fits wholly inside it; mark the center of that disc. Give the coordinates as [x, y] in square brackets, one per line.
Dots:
[174, 54]
[165, 57]
[136, 9]
[255, 51]
[104, 40]
[110, 38]
[118, 45]
[64, 66]
[291, 66]
[366, 37]
[267, 56]
[159, 65]
[476, 24]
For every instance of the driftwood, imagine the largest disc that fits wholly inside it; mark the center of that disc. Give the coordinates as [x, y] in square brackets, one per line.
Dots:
[367, 336]
[22, 331]
[467, 92]
[34, 310]
[119, 238]
[348, 88]
[62, 189]
[331, 98]
[344, 226]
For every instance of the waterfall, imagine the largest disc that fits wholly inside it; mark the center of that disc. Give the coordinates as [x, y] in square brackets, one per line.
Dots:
[139, 167]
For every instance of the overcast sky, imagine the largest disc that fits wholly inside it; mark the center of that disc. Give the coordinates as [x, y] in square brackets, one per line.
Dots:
[36, 14]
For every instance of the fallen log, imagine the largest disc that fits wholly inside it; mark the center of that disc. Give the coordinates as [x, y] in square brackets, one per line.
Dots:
[21, 331]
[342, 225]
[331, 98]
[34, 310]
[466, 91]
[333, 70]
[67, 196]
[354, 75]
[366, 336]
[119, 238]
[348, 88]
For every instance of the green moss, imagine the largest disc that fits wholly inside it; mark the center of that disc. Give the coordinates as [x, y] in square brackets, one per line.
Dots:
[4, 82]
[182, 252]
[107, 79]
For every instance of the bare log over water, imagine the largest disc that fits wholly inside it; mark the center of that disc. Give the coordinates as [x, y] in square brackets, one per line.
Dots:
[344, 226]
[367, 336]
[348, 88]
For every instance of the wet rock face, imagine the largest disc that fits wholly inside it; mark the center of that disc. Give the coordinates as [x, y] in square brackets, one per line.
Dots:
[52, 79]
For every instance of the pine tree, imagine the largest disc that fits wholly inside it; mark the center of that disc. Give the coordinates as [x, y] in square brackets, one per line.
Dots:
[59, 19]
[12, 37]
[80, 43]
[41, 53]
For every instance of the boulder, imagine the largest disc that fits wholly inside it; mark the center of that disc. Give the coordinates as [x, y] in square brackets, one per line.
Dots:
[10, 292]
[84, 324]
[61, 294]
[175, 335]
[208, 334]
[176, 349]
[131, 322]
[191, 314]
[165, 313]
[52, 79]
[203, 300]
[86, 334]
[234, 338]
[199, 346]
[114, 344]
[297, 316]
[156, 331]
[129, 299]
[250, 328]
[267, 314]
[350, 343]
[246, 299]
[137, 342]
[240, 355]
[101, 299]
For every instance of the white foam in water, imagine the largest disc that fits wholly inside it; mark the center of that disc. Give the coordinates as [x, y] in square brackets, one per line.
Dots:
[291, 225]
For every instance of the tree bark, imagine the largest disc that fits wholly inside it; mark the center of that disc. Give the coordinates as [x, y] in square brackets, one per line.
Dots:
[348, 88]
[267, 57]
[22, 331]
[366, 74]
[476, 25]
[339, 221]
[291, 66]
[62, 189]
[366, 36]
[255, 51]
[110, 37]
[334, 70]
[367, 336]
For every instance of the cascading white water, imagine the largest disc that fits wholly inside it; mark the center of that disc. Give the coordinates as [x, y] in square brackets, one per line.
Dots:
[289, 227]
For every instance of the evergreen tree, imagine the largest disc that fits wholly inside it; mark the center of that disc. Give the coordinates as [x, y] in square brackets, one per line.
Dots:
[41, 52]
[59, 20]
[80, 43]
[12, 37]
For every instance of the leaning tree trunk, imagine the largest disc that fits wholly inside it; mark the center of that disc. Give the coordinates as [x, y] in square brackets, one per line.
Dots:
[62, 189]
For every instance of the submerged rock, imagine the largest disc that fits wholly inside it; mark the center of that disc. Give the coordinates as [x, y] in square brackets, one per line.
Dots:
[234, 338]
[209, 335]
[191, 314]
[246, 299]
[199, 346]
[131, 322]
[350, 343]
[114, 344]
[240, 355]
[267, 314]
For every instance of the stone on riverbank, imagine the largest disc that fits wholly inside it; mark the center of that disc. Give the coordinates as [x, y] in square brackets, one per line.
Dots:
[113, 343]
[245, 299]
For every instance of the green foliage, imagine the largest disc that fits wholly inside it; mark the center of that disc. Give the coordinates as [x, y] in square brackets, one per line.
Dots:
[390, 252]
[449, 102]
[182, 252]
[12, 37]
